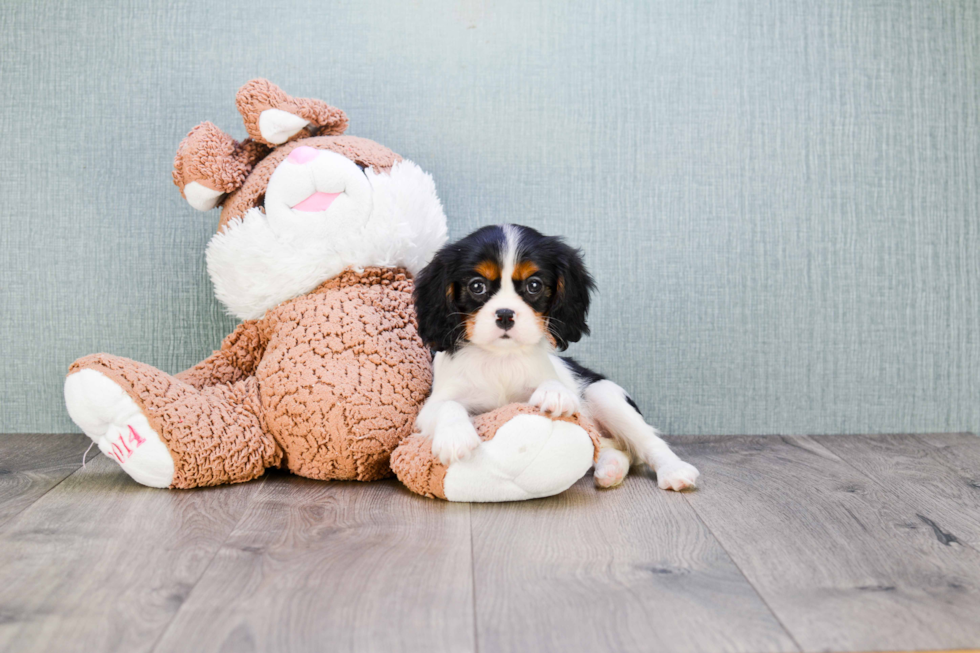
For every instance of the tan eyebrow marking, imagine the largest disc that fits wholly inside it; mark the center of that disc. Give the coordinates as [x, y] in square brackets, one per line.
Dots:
[524, 269]
[488, 269]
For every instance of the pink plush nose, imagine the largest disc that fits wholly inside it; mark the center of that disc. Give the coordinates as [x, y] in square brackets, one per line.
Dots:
[303, 154]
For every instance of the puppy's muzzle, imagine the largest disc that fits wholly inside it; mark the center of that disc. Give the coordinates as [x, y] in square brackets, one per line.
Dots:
[505, 318]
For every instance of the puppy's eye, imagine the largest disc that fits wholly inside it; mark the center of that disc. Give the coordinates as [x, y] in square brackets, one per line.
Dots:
[478, 287]
[533, 286]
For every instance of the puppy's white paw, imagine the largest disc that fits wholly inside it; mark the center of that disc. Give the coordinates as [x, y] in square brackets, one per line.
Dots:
[454, 440]
[553, 398]
[677, 476]
[611, 468]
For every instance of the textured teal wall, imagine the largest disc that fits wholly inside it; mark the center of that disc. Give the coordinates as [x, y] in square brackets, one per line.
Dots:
[780, 199]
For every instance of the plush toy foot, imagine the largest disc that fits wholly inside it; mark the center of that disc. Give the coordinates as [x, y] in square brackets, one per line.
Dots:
[530, 456]
[118, 427]
[677, 475]
[611, 468]
[524, 455]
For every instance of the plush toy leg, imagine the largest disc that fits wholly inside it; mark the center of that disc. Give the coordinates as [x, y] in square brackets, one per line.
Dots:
[525, 455]
[164, 432]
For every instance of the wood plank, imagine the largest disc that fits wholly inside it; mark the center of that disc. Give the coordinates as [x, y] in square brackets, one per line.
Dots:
[959, 451]
[845, 564]
[629, 569]
[33, 463]
[101, 563]
[319, 566]
[939, 476]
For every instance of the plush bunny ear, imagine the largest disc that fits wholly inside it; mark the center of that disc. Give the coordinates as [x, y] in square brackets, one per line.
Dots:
[210, 164]
[273, 117]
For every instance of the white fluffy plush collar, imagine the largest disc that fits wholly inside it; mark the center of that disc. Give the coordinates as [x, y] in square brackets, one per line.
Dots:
[254, 269]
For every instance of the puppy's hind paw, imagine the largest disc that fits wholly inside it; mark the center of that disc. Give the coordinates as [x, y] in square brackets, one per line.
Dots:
[611, 468]
[677, 476]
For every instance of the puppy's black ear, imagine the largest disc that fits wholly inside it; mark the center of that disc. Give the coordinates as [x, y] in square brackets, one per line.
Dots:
[570, 306]
[435, 306]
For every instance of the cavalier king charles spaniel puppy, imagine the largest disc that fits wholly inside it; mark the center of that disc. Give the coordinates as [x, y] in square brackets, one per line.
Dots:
[495, 307]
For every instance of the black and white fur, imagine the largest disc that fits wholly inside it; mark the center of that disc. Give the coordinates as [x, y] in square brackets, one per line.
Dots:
[495, 307]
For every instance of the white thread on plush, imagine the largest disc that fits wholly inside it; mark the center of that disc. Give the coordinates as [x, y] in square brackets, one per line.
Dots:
[201, 197]
[85, 455]
[531, 456]
[276, 125]
[105, 412]
[259, 261]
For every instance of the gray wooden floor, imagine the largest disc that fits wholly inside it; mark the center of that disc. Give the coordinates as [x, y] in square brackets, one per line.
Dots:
[840, 543]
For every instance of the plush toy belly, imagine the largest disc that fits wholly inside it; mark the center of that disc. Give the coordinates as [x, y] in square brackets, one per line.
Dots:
[343, 377]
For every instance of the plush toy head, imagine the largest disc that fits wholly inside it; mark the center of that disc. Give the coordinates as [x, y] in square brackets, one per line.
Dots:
[301, 201]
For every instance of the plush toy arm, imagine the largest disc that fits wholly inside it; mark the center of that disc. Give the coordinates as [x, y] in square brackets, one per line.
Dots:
[240, 353]
[524, 455]
[210, 163]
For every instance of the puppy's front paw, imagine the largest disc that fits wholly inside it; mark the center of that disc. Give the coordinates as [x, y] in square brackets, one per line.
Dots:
[555, 399]
[677, 476]
[454, 440]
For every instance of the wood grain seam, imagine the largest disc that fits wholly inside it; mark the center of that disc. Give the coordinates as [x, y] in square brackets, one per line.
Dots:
[476, 629]
[748, 581]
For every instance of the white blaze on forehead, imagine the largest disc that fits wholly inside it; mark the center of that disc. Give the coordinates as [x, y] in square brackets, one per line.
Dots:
[526, 329]
[512, 241]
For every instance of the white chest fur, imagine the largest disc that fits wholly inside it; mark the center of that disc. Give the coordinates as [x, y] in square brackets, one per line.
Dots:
[482, 380]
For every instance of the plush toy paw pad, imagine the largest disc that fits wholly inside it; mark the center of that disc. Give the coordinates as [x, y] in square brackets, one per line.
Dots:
[612, 467]
[677, 476]
[110, 417]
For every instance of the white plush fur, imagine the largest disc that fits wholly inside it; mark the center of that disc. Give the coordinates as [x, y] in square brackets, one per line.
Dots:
[530, 456]
[118, 427]
[266, 258]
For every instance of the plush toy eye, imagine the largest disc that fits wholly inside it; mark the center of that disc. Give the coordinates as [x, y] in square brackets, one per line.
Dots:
[478, 287]
[533, 286]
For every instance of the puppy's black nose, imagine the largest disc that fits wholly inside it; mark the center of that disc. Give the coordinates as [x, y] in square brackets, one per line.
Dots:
[505, 318]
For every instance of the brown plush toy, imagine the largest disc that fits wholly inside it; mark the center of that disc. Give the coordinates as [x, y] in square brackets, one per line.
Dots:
[319, 238]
